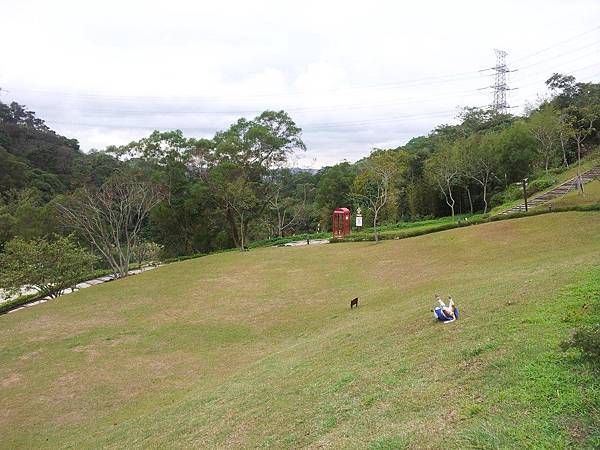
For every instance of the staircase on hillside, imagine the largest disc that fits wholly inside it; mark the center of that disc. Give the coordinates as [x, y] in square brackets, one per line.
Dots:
[558, 191]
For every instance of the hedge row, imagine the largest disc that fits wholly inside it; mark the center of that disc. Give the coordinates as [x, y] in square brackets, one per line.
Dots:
[462, 223]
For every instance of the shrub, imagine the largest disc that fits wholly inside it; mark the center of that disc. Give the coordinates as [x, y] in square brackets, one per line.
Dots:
[587, 340]
[49, 267]
[541, 183]
[15, 303]
[510, 194]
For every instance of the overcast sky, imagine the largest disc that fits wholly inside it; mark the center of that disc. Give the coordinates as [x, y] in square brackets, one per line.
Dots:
[353, 75]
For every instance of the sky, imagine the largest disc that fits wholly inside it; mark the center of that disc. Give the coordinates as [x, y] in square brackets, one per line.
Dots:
[353, 75]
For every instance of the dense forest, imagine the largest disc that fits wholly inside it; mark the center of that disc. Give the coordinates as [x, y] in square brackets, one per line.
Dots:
[240, 185]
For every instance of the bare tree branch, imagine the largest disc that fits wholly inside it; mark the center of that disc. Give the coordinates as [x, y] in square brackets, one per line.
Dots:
[111, 218]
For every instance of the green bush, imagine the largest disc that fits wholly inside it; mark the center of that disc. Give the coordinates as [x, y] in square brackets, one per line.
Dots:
[541, 183]
[557, 170]
[510, 194]
[515, 191]
[48, 266]
[15, 303]
[587, 340]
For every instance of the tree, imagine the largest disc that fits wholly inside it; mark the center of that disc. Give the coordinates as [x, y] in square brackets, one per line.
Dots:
[373, 184]
[111, 217]
[161, 147]
[564, 135]
[564, 88]
[476, 119]
[516, 152]
[580, 125]
[443, 170]
[478, 161]
[146, 251]
[333, 188]
[237, 196]
[48, 266]
[240, 164]
[545, 127]
[287, 200]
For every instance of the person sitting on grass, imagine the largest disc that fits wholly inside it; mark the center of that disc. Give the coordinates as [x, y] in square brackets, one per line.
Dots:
[445, 313]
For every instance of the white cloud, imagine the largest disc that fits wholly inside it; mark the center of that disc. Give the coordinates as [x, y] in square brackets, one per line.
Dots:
[107, 72]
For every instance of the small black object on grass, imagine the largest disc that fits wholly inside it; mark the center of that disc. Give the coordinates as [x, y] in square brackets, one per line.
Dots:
[354, 302]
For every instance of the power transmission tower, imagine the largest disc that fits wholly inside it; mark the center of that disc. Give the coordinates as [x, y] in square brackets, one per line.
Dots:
[500, 85]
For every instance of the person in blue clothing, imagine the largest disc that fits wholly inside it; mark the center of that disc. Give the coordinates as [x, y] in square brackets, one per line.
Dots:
[445, 313]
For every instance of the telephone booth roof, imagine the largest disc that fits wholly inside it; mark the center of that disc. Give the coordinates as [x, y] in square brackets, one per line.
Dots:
[341, 210]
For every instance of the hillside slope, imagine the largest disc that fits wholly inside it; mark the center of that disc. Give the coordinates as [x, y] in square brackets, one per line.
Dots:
[261, 349]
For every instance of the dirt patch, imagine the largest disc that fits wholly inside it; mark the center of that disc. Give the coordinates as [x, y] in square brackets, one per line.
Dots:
[10, 380]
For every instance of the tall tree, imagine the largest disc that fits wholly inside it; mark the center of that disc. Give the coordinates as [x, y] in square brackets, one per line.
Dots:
[478, 161]
[545, 126]
[442, 168]
[373, 185]
[239, 166]
[333, 188]
[111, 217]
[287, 199]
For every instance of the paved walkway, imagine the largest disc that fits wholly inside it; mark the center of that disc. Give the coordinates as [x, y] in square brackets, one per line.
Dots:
[303, 242]
[558, 191]
[82, 285]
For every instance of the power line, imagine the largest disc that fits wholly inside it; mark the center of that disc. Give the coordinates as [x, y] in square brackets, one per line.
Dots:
[385, 119]
[422, 81]
[571, 72]
[563, 54]
[343, 107]
[557, 44]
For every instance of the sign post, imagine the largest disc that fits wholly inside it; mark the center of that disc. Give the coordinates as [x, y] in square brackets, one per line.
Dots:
[359, 220]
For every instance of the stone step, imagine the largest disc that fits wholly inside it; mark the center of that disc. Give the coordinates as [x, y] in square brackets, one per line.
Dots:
[558, 191]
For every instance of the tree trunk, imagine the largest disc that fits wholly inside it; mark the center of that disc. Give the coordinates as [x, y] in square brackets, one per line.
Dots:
[232, 225]
[375, 227]
[242, 234]
[579, 164]
[470, 199]
[562, 144]
[451, 204]
[280, 221]
[485, 203]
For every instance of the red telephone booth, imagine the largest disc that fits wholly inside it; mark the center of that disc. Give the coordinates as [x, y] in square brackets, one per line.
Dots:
[341, 222]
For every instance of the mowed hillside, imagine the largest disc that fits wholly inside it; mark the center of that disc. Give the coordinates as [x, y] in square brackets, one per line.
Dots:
[261, 348]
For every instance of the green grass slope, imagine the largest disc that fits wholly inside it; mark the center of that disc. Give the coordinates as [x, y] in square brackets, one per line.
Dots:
[261, 349]
[590, 196]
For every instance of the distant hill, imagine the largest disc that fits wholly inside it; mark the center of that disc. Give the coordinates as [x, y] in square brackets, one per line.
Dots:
[295, 170]
[34, 156]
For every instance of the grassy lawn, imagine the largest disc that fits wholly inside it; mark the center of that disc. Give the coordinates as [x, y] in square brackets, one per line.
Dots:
[260, 349]
[590, 196]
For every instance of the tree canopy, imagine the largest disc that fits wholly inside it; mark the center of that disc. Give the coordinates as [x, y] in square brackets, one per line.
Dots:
[241, 184]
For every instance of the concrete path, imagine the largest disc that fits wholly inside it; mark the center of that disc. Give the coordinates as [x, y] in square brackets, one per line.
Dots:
[82, 285]
[303, 243]
[558, 191]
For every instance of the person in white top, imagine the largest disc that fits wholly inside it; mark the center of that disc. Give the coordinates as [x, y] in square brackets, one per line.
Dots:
[445, 313]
